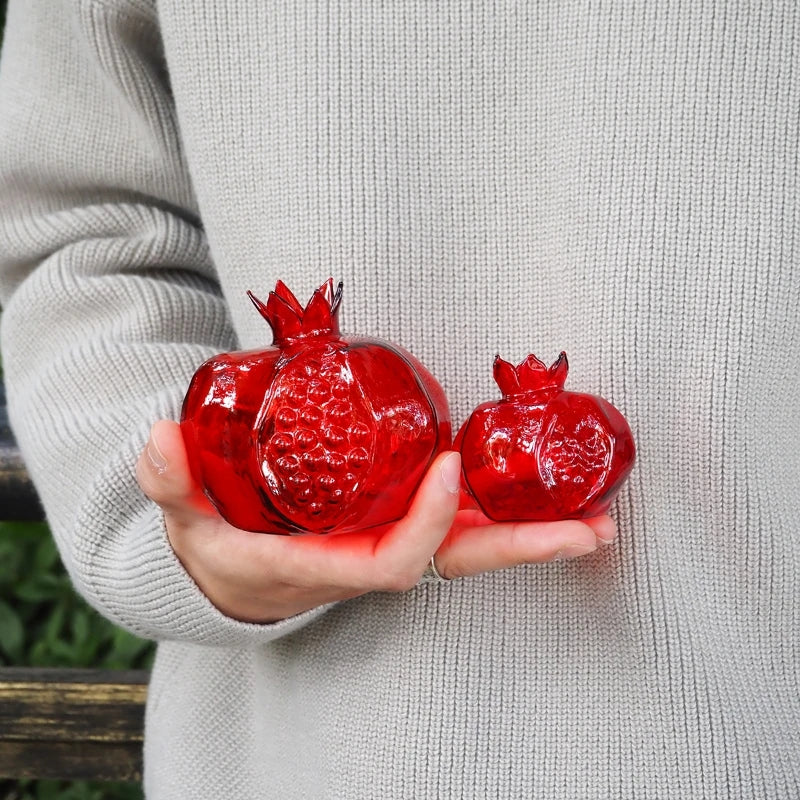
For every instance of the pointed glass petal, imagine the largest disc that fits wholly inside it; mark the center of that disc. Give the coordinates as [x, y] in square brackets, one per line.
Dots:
[505, 375]
[286, 294]
[283, 318]
[317, 316]
[558, 371]
[337, 299]
[533, 374]
[261, 308]
[327, 290]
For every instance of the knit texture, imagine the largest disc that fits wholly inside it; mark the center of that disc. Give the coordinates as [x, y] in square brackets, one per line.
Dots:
[614, 179]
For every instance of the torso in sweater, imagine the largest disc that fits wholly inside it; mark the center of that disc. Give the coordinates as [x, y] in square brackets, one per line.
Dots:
[615, 180]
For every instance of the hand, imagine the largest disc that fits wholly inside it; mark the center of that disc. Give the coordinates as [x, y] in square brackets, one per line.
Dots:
[257, 577]
[475, 544]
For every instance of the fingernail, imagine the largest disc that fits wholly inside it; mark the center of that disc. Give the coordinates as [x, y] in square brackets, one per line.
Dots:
[573, 551]
[156, 457]
[451, 472]
[607, 541]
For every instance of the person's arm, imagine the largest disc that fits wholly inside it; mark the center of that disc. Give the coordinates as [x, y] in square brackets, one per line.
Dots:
[109, 299]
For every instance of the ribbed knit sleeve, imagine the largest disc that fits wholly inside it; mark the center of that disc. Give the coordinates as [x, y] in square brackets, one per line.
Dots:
[110, 298]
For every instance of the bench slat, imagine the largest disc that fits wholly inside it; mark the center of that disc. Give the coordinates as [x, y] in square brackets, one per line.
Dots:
[71, 724]
[64, 761]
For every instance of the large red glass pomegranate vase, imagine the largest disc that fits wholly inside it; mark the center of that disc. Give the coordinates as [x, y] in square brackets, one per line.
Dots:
[543, 453]
[318, 433]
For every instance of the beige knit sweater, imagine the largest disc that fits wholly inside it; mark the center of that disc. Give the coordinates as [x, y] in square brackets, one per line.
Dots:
[616, 179]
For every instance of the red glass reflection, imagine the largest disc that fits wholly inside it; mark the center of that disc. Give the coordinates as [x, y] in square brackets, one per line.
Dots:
[319, 433]
[543, 453]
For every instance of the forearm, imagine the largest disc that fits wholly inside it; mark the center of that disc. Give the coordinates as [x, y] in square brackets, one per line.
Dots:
[110, 298]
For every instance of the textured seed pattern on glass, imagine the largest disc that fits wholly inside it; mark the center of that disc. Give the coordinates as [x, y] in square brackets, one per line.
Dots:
[576, 457]
[315, 448]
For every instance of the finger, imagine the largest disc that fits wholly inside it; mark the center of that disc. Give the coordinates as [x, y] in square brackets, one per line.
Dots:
[604, 526]
[470, 550]
[605, 529]
[406, 549]
[163, 470]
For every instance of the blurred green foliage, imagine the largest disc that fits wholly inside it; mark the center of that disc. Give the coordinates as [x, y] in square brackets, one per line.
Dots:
[69, 790]
[75, 790]
[43, 622]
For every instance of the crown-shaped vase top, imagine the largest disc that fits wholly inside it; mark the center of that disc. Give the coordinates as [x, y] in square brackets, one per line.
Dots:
[289, 320]
[531, 376]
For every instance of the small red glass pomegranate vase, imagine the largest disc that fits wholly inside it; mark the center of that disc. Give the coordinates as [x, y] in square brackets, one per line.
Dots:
[543, 453]
[318, 433]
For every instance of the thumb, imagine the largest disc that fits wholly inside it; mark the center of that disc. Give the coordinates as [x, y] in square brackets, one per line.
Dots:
[411, 541]
[163, 469]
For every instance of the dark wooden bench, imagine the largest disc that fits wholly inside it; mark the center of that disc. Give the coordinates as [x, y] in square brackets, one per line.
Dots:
[71, 723]
[63, 723]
